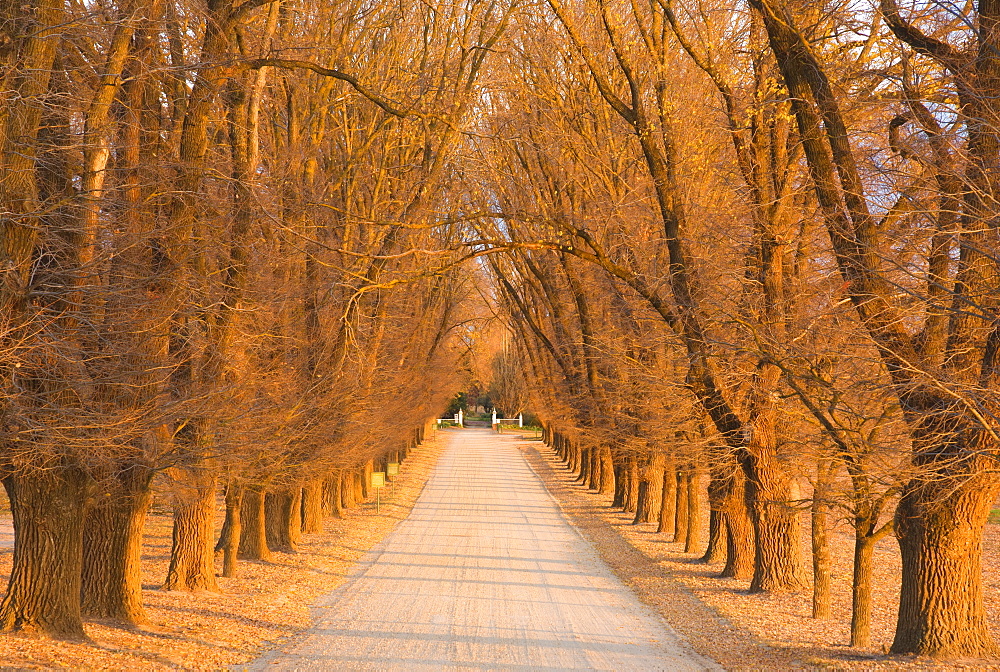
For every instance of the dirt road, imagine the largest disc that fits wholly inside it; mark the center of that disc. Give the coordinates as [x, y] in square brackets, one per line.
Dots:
[485, 574]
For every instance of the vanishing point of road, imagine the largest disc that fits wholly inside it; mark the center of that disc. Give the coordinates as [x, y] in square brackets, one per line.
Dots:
[485, 574]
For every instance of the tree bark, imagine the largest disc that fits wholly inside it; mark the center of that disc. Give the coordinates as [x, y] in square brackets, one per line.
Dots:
[253, 528]
[333, 495]
[648, 503]
[283, 519]
[347, 488]
[861, 591]
[716, 551]
[668, 499]
[192, 560]
[778, 562]
[620, 485]
[595, 468]
[584, 475]
[820, 544]
[358, 488]
[232, 530]
[43, 593]
[312, 507]
[641, 501]
[366, 479]
[692, 540]
[111, 579]
[631, 484]
[940, 534]
[607, 484]
[740, 546]
[681, 508]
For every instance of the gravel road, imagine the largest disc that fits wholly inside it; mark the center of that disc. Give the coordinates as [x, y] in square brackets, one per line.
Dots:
[485, 574]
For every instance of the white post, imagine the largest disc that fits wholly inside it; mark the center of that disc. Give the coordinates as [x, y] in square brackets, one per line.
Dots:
[520, 420]
[494, 417]
[461, 418]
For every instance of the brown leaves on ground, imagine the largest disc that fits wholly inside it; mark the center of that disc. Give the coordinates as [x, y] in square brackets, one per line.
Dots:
[265, 603]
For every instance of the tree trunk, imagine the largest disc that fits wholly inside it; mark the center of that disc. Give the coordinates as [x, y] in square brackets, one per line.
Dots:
[778, 562]
[641, 501]
[740, 545]
[654, 472]
[716, 551]
[631, 484]
[366, 480]
[861, 591]
[584, 475]
[620, 485]
[43, 593]
[607, 485]
[681, 508]
[312, 507]
[253, 528]
[940, 532]
[777, 566]
[333, 494]
[820, 544]
[357, 481]
[692, 540]
[111, 579]
[347, 489]
[283, 519]
[595, 468]
[229, 540]
[192, 560]
[668, 498]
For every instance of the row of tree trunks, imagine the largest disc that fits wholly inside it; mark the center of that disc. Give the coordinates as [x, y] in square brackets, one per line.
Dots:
[671, 498]
[265, 521]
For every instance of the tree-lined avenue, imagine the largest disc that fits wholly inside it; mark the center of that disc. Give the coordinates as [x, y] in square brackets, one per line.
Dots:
[485, 573]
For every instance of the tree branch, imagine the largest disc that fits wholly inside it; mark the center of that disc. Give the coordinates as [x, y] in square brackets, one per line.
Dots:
[292, 64]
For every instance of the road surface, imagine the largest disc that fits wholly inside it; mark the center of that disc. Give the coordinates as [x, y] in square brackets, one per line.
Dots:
[485, 574]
